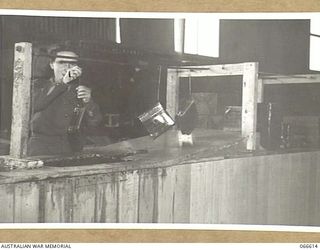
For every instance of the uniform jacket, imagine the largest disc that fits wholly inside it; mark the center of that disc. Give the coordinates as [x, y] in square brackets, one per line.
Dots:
[52, 112]
[52, 109]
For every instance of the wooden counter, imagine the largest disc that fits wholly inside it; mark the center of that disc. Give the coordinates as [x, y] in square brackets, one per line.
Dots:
[215, 181]
[144, 153]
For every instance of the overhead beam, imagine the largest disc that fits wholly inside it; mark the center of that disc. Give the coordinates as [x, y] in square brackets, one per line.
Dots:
[211, 70]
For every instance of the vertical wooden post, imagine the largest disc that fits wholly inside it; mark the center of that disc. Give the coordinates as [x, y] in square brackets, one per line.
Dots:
[172, 92]
[21, 99]
[259, 100]
[249, 103]
[260, 91]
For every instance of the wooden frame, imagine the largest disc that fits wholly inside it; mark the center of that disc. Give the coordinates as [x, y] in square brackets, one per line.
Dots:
[252, 90]
[251, 93]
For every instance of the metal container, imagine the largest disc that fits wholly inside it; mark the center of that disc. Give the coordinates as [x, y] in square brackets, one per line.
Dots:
[156, 120]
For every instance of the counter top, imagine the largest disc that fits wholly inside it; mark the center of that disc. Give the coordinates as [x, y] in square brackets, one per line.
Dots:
[144, 153]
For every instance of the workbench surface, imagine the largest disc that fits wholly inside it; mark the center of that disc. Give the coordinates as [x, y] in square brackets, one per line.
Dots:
[143, 153]
[146, 153]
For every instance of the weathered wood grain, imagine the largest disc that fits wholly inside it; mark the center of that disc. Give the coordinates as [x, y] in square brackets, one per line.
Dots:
[274, 190]
[251, 190]
[128, 197]
[106, 206]
[21, 99]
[56, 201]
[277, 189]
[249, 103]
[300, 186]
[148, 195]
[166, 183]
[312, 180]
[202, 193]
[181, 195]
[26, 202]
[262, 191]
[6, 203]
[84, 199]
[172, 92]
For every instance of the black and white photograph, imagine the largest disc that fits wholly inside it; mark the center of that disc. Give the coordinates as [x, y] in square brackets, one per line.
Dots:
[161, 118]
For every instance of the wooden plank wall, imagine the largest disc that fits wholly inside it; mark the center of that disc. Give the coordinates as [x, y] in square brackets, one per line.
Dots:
[276, 189]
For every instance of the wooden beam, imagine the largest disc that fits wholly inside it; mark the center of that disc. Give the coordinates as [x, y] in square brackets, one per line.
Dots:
[211, 70]
[249, 103]
[21, 99]
[172, 92]
[292, 79]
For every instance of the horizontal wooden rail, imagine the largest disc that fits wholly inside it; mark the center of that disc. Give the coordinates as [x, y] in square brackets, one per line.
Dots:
[292, 79]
